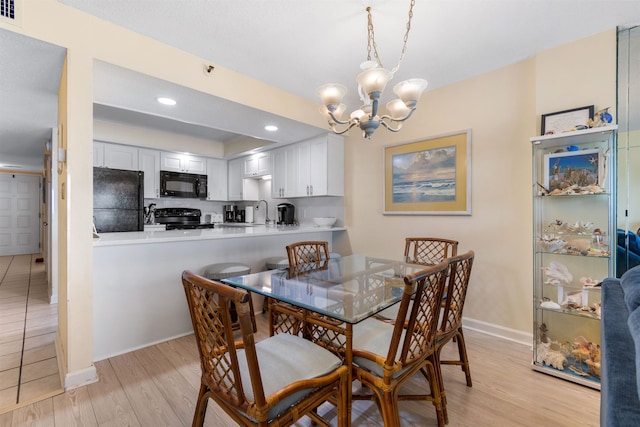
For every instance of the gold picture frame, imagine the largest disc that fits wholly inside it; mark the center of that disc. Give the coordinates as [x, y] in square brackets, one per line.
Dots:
[429, 177]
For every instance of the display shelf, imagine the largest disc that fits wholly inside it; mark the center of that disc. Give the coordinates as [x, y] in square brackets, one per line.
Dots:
[573, 236]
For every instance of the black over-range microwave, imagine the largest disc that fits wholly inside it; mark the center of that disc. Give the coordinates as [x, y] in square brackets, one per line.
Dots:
[186, 185]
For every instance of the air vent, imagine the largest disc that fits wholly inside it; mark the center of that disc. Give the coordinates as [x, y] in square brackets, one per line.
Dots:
[10, 11]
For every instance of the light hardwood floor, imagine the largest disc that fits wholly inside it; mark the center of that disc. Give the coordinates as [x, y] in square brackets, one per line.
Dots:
[28, 325]
[158, 385]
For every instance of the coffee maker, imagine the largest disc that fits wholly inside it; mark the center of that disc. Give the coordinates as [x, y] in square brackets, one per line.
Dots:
[230, 213]
[286, 213]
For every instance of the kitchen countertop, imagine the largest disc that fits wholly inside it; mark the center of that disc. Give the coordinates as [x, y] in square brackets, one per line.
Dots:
[224, 232]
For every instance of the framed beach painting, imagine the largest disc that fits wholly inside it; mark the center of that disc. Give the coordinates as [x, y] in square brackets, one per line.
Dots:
[429, 177]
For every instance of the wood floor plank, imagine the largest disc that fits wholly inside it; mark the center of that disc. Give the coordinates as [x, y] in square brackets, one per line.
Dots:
[175, 388]
[144, 396]
[38, 414]
[74, 408]
[109, 401]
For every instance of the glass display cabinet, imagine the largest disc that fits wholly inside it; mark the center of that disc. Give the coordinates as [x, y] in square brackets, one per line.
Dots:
[574, 239]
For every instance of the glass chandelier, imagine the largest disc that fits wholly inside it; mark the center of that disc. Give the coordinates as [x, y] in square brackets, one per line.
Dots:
[371, 83]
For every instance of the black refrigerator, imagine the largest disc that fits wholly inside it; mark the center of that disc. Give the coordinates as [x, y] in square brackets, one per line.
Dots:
[118, 200]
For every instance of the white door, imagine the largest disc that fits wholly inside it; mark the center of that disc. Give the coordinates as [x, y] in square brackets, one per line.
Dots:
[19, 214]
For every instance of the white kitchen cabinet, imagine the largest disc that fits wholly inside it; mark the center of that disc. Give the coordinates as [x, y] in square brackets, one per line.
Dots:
[217, 179]
[321, 167]
[115, 156]
[240, 188]
[284, 172]
[178, 162]
[149, 163]
[257, 165]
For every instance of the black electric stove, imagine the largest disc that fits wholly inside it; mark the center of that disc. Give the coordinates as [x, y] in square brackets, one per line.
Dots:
[180, 218]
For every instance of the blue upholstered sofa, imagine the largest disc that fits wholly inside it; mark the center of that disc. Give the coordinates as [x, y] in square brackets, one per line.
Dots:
[626, 260]
[620, 340]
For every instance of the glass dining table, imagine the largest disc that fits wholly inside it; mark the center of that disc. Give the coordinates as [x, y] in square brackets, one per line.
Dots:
[323, 300]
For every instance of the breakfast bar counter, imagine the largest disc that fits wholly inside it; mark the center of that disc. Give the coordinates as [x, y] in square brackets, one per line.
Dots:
[138, 299]
[218, 232]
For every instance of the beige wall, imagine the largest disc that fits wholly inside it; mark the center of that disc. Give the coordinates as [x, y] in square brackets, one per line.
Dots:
[501, 108]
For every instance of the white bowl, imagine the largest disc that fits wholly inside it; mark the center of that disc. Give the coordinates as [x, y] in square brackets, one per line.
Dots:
[324, 222]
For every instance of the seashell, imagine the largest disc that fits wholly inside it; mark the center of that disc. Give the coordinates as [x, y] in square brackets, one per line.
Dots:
[588, 282]
[557, 273]
[550, 305]
[573, 299]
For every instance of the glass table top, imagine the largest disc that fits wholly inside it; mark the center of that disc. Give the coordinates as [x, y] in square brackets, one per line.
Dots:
[349, 288]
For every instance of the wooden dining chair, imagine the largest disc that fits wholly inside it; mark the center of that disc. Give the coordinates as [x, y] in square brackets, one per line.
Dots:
[386, 355]
[428, 250]
[303, 257]
[450, 327]
[273, 382]
[307, 252]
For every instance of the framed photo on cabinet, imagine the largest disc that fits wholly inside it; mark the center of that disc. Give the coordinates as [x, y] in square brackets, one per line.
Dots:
[567, 120]
[581, 168]
[429, 177]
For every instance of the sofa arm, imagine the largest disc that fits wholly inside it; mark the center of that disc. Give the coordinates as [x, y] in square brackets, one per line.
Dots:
[619, 402]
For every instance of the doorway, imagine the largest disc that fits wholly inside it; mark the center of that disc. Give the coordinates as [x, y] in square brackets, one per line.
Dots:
[19, 214]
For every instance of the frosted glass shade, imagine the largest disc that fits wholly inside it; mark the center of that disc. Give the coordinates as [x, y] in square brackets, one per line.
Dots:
[358, 114]
[373, 80]
[331, 93]
[398, 109]
[410, 90]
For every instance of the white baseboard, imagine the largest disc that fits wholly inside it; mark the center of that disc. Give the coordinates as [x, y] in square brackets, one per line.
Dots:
[498, 331]
[75, 379]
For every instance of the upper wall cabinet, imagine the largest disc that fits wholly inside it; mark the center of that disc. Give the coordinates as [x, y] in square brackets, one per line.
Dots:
[240, 188]
[310, 168]
[257, 165]
[321, 167]
[216, 179]
[186, 163]
[115, 156]
[284, 175]
[149, 163]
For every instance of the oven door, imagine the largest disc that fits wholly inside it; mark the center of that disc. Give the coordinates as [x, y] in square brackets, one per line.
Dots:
[184, 185]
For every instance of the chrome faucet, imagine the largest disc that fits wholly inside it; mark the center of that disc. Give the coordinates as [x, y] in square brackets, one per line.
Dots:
[267, 221]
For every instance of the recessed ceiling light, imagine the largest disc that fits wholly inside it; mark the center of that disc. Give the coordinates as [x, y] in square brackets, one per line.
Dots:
[166, 101]
[271, 128]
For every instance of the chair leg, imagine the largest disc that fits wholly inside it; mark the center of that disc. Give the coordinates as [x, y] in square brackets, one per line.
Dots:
[436, 386]
[201, 407]
[462, 351]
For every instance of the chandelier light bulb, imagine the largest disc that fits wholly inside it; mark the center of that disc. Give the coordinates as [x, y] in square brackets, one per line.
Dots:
[398, 109]
[373, 80]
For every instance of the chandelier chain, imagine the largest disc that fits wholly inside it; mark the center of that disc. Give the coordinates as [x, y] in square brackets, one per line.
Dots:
[371, 40]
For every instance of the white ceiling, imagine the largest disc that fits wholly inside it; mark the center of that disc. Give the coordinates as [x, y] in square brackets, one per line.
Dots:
[299, 45]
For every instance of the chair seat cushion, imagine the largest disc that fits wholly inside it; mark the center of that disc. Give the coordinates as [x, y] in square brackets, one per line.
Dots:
[225, 270]
[276, 262]
[283, 360]
[374, 336]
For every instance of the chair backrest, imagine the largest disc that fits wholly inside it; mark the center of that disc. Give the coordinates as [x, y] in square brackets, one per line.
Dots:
[213, 328]
[456, 289]
[415, 338]
[429, 250]
[307, 252]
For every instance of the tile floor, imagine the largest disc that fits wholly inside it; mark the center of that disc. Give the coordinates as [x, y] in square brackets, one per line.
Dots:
[28, 325]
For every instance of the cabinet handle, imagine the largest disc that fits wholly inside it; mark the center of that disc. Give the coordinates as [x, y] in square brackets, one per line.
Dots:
[311, 186]
[307, 190]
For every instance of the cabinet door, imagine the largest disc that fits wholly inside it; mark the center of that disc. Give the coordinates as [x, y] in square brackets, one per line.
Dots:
[216, 179]
[257, 165]
[317, 167]
[284, 173]
[118, 156]
[186, 163]
[149, 163]
[235, 176]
